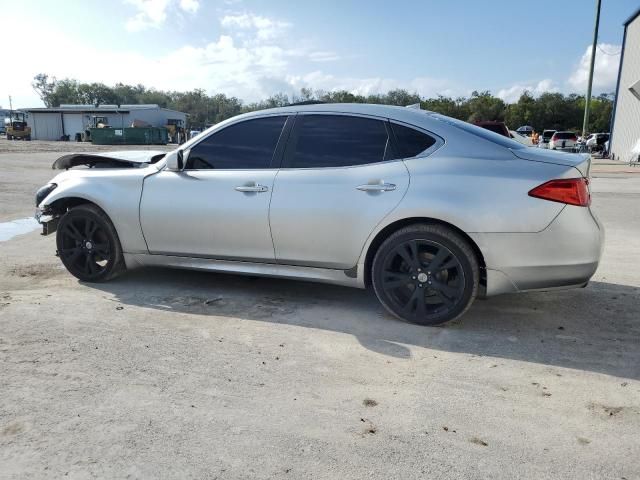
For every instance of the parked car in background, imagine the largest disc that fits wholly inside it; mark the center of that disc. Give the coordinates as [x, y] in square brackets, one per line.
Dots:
[563, 141]
[596, 142]
[525, 130]
[497, 127]
[429, 211]
[523, 139]
[545, 138]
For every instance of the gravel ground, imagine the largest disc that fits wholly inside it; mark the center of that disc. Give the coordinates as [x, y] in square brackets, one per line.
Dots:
[171, 374]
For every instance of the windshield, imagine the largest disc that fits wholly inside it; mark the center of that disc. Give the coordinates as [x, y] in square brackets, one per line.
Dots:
[481, 132]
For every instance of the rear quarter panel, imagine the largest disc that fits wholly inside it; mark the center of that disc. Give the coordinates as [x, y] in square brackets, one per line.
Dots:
[479, 194]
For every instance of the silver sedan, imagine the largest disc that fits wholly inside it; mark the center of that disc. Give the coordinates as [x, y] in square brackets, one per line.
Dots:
[429, 211]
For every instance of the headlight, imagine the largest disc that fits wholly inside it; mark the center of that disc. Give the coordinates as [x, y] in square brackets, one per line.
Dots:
[42, 192]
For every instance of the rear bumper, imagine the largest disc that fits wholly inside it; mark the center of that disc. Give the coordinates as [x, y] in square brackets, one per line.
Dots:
[564, 255]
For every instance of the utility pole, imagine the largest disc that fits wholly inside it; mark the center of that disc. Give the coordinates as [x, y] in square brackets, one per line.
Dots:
[587, 104]
[10, 104]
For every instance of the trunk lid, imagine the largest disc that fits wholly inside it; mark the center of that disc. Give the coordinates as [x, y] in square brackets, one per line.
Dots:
[581, 161]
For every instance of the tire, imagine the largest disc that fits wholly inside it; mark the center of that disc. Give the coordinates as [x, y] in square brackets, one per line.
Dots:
[406, 284]
[88, 244]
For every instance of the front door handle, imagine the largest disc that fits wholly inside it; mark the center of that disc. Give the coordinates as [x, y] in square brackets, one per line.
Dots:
[376, 187]
[252, 188]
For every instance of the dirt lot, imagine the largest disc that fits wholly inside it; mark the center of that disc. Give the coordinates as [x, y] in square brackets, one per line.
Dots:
[164, 374]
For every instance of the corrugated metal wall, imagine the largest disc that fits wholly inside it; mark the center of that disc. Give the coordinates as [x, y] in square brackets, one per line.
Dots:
[626, 127]
[45, 126]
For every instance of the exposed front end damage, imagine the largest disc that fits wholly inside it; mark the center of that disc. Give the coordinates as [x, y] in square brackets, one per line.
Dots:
[49, 221]
[79, 185]
[126, 159]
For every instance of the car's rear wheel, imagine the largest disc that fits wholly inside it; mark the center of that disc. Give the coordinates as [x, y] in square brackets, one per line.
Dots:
[88, 244]
[425, 274]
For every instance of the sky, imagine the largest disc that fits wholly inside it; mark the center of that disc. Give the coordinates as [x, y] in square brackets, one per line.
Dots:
[252, 49]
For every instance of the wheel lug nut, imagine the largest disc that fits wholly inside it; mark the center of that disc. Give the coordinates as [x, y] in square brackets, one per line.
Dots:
[420, 285]
[413, 278]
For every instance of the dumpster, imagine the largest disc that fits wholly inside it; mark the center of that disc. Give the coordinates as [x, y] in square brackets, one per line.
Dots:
[129, 136]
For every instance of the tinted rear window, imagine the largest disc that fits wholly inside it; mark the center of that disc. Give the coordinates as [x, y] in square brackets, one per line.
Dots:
[338, 141]
[481, 132]
[548, 134]
[411, 142]
[565, 135]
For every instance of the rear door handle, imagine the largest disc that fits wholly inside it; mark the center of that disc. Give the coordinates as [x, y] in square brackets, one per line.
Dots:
[252, 188]
[376, 187]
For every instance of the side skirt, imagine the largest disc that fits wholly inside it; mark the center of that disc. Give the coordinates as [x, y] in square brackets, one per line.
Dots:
[312, 274]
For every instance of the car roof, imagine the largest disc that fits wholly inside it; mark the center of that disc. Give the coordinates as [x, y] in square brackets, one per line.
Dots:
[388, 111]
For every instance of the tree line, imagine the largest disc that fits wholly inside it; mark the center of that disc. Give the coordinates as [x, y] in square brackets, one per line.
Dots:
[549, 110]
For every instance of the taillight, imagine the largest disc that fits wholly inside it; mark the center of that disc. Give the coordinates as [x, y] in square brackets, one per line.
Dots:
[554, 137]
[573, 191]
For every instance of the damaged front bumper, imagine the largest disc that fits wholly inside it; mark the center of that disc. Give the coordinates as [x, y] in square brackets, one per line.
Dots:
[48, 221]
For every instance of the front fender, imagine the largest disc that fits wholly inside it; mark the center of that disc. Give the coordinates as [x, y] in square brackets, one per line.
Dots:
[118, 195]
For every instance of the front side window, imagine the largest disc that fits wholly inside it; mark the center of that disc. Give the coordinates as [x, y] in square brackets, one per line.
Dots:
[411, 142]
[246, 145]
[338, 141]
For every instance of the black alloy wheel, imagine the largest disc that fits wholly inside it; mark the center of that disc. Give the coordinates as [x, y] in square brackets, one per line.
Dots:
[425, 274]
[88, 244]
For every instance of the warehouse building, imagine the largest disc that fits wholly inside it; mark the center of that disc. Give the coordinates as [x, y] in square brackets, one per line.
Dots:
[69, 120]
[625, 131]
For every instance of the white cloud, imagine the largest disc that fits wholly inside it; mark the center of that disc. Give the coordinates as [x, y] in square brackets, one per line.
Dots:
[424, 86]
[190, 6]
[605, 72]
[322, 56]
[265, 28]
[153, 13]
[232, 64]
[513, 93]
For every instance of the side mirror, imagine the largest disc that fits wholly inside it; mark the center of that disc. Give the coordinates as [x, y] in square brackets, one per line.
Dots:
[176, 160]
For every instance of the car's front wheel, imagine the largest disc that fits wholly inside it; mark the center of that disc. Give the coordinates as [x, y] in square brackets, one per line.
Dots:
[425, 274]
[88, 244]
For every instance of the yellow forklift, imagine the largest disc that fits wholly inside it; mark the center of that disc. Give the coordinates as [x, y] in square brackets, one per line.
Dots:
[17, 128]
[176, 130]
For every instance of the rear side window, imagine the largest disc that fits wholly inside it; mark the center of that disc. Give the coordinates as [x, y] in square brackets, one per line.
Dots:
[499, 129]
[338, 141]
[411, 142]
[246, 145]
[481, 132]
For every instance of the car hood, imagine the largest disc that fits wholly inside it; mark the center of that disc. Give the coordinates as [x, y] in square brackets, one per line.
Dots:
[123, 159]
[581, 161]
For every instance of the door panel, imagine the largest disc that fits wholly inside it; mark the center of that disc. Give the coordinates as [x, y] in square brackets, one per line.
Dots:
[203, 213]
[323, 216]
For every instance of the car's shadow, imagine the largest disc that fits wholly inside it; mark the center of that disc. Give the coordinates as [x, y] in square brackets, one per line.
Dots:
[595, 329]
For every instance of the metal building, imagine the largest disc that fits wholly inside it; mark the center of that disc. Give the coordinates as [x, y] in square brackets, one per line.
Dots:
[56, 122]
[625, 131]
